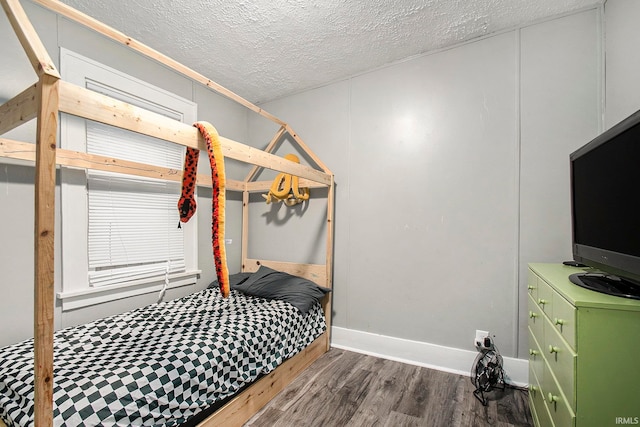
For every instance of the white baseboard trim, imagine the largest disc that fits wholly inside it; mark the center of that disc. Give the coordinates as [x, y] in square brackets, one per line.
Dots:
[418, 353]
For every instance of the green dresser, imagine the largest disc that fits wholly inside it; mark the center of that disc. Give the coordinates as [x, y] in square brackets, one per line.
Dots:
[584, 353]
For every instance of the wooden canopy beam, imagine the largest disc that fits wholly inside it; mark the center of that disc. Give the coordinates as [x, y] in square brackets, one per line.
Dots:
[18, 110]
[304, 147]
[109, 32]
[31, 43]
[92, 105]
[76, 159]
[269, 149]
[258, 186]
[147, 51]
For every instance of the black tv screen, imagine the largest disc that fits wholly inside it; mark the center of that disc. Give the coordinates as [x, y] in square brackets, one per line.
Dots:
[605, 184]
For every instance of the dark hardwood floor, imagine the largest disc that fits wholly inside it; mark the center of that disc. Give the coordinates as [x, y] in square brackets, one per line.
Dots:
[343, 388]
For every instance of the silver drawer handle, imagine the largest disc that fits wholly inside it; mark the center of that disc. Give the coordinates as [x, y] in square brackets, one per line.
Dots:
[533, 352]
[532, 315]
[552, 398]
[542, 301]
[558, 321]
[553, 349]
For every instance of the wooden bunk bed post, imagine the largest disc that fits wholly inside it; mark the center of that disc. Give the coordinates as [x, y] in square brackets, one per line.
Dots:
[44, 249]
[46, 95]
[245, 229]
[329, 258]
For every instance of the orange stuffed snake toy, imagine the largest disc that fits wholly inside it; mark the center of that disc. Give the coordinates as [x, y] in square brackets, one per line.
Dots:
[187, 202]
[285, 187]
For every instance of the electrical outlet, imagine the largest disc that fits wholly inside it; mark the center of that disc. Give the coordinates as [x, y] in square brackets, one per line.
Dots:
[480, 336]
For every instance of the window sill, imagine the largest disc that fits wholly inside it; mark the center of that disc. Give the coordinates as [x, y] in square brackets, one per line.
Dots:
[92, 296]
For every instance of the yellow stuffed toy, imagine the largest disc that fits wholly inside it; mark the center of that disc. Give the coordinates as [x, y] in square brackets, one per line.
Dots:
[285, 187]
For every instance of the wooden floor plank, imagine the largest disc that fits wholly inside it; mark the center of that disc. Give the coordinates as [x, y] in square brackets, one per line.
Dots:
[300, 401]
[441, 407]
[339, 410]
[344, 388]
[308, 380]
[397, 419]
[388, 390]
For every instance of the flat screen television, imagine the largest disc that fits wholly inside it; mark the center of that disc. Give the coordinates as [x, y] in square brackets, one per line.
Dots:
[605, 190]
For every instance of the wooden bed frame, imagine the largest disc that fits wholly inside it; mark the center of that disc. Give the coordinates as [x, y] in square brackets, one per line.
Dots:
[50, 96]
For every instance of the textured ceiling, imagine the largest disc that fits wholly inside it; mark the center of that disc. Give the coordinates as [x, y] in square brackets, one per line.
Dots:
[266, 49]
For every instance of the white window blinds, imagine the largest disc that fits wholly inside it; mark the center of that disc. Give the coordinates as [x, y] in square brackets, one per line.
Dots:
[119, 232]
[132, 224]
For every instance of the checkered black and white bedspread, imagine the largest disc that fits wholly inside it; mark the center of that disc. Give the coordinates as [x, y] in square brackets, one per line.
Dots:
[160, 364]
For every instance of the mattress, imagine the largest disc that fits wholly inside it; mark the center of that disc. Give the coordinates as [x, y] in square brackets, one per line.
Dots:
[160, 364]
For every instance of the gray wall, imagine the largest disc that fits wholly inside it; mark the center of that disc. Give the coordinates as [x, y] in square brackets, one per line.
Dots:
[623, 60]
[560, 110]
[16, 185]
[452, 174]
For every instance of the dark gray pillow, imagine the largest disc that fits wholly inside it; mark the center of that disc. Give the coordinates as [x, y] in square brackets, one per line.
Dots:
[234, 279]
[271, 284]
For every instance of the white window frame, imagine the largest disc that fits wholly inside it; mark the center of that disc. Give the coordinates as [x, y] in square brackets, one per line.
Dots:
[76, 291]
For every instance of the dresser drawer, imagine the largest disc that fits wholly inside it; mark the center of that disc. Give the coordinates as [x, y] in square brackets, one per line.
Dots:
[563, 317]
[532, 284]
[545, 297]
[561, 360]
[561, 414]
[536, 358]
[536, 319]
[560, 312]
[539, 409]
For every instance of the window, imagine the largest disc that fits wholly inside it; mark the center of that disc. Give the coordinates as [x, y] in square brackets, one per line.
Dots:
[119, 232]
